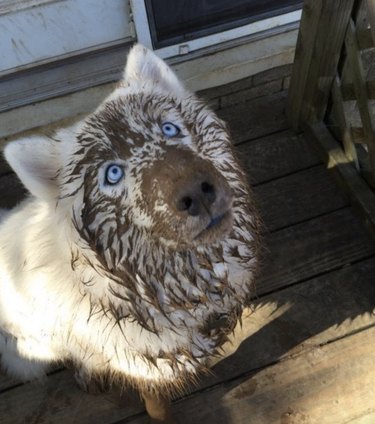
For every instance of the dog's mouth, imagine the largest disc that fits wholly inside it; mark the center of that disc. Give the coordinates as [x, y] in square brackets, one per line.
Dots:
[216, 221]
[216, 228]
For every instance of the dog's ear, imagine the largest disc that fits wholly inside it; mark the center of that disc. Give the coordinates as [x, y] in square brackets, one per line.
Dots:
[143, 66]
[35, 161]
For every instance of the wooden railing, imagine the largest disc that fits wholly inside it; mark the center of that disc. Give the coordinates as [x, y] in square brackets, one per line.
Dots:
[332, 91]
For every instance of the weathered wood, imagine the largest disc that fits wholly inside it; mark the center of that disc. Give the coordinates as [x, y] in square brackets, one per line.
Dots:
[348, 92]
[276, 155]
[7, 382]
[322, 31]
[330, 384]
[59, 400]
[252, 93]
[357, 133]
[362, 197]
[259, 80]
[361, 151]
[371, 17]
[298, 197]
[304, 250]
[359, 83]
[364, 38]
[256, 118]
[346, 131]
[330, 37]
[360, 15]
[311, 13]
[290, 321]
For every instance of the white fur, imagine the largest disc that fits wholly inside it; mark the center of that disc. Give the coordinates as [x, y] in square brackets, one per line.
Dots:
[47, 314]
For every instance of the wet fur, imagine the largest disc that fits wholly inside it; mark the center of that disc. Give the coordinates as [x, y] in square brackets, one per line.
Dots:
[110, 278]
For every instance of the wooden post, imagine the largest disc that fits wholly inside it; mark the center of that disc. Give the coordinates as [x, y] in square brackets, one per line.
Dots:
[319, 44]
[346, 131]
[371, 17]
[360, 89]
[330, 30]
[361, 196]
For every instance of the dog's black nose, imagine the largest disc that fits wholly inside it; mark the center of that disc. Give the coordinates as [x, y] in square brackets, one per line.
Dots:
[196, 199]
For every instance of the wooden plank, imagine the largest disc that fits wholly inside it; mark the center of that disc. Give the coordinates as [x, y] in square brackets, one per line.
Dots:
[298, 197]
[360, 15]
[259, 80]
[59, 400]
[348, 92]
[252, 93]
[283, 325]
[357, 133]
[323, 26]
[371, 17]
[47, 81]
[346, 131]
[364, 38]
[256, 118]
[276, 155]
[329, 41]
[359, 82]
[309, 25]
[362, 197]
[304, 250]
[293, 320]
[330, 384]
[7, 382]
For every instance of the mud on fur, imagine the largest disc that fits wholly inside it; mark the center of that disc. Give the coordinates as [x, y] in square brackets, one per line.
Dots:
[136, 252]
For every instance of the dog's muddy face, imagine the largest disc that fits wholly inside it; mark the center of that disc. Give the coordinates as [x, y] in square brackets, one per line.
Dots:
[154, 166]
[156, 162]
[190, 200]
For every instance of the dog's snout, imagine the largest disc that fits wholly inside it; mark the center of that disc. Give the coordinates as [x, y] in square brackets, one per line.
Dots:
[209, 191]
[187, 186]
[196, 199]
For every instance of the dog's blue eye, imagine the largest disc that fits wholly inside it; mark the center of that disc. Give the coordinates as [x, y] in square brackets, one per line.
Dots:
[170, 130]
[113, 174]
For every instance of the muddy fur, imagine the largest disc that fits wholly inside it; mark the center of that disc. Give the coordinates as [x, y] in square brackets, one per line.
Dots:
[137, 280]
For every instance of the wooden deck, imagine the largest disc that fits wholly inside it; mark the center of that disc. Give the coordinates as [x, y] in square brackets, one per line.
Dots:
[306, 353]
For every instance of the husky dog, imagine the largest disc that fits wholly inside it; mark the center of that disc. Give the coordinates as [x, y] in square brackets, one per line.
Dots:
[136, 252]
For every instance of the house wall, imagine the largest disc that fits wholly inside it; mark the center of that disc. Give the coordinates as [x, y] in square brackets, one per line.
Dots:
[64, 90]
[39, 32]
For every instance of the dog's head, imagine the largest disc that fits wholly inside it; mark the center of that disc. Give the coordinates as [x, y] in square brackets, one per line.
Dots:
[152, 156]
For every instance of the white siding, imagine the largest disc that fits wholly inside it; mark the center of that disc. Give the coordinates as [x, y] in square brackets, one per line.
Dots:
[59, 29]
